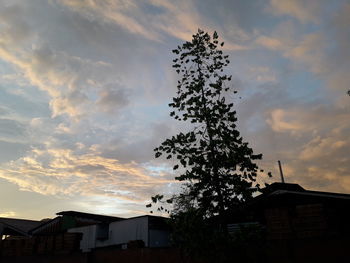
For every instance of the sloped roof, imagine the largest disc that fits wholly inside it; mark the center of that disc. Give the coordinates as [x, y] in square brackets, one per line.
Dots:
[20, 226]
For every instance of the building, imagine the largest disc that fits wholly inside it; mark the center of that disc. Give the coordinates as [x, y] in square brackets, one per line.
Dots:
[299, 224]
[291, 212]
[16, 227]
[73, 231]
[69, 219]
[295, 224]
[141, 231]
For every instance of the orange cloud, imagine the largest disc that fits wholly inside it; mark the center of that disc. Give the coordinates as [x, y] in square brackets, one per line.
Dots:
[270, 43]
[282, 120]
[304, 10]
[62, 172]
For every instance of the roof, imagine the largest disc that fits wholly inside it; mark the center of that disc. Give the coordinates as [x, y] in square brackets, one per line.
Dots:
[62, 223]
[313, 193]
[154, 222]
[295, 189]
[49, 226]
[152, 218]
[19, 226]
[96, 217]
[282, 186]
[285, 193]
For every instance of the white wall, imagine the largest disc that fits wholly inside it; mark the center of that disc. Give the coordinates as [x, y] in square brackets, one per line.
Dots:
[88, 241]
[122, 232]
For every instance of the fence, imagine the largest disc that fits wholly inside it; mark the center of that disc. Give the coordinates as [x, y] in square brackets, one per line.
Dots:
[40, 245]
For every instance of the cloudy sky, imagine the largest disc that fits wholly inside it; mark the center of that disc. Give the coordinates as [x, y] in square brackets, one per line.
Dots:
[84, 88]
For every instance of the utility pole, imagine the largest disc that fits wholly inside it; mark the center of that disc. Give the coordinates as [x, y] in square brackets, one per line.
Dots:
[281, 172]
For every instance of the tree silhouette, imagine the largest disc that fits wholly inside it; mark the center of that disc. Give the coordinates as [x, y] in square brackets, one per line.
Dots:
[216, 166]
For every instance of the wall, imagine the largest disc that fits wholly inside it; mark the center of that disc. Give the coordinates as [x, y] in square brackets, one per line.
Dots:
[108, 255]
[304, 251]
[121, 232]
[41, 245]
[88, 240]
[159, 238]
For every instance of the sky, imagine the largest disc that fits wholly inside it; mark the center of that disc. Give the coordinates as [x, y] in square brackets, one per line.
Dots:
[85, 87]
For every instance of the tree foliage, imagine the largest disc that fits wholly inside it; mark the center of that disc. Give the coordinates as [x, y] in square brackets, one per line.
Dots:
[216, 165]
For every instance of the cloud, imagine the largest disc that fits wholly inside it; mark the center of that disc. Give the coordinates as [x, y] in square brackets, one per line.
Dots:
[312, 52]
[279, 121]
[119, 12]
[129, 15]
[12, 130]
[316, 119]
[85, 86]
[77, 84]
[263, 74]
[53, 171]
[322, 148]
[3, 111]
[14, 28]
[140, 148]
[111, 99]
[152, 19]
[69, 80]
[308, 50]
[270, 43]
[323, 51]
[12, 150]
[318, 156]
[304, 10]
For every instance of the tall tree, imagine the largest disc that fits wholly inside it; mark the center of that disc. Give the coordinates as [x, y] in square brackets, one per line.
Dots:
[217, 165]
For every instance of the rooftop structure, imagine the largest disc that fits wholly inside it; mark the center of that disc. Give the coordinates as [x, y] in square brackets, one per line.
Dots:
[16, 227]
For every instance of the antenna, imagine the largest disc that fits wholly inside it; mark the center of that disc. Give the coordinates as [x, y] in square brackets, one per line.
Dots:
[281, 172]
